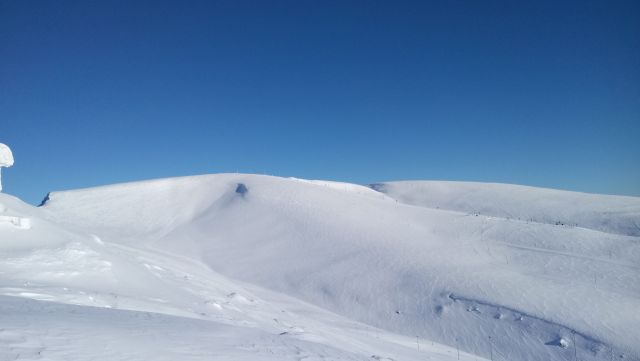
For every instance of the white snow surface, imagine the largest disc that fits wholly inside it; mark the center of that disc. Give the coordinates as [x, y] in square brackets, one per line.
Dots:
[611, 214]
[235, 266]
[6, 157]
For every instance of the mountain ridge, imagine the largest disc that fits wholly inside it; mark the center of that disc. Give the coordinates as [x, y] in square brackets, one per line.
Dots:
[383, 260]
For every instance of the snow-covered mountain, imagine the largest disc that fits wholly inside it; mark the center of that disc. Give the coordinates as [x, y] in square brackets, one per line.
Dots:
[235, 266]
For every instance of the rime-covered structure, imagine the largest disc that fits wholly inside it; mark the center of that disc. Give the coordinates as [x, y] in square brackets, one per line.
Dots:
[6, 159]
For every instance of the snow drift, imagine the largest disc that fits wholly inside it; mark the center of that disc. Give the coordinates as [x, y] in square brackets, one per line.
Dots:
[611, 214]
[509, 272]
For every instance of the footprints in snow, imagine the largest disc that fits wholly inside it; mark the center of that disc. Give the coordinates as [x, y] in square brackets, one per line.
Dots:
[537, 329]
[380, 358]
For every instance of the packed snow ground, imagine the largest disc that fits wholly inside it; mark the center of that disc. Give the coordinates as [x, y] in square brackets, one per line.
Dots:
[235, 266]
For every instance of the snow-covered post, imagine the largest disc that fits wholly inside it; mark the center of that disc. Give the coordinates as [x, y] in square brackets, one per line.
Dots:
[6, 160]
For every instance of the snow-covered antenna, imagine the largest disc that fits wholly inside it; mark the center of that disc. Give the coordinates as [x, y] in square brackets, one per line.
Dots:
[6, 159]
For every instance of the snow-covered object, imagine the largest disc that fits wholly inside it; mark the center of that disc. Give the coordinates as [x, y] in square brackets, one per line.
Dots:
[6, 159]
[318, 270]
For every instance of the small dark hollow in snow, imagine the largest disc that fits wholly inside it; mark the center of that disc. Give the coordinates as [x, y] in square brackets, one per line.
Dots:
[241, 189]
[560, 342]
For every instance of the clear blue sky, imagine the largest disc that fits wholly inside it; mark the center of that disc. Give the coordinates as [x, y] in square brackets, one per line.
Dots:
[536, 93]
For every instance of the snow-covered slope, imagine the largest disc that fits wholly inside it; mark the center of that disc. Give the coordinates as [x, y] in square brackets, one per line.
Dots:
[400, 261]
[67, 294]
[612, 214]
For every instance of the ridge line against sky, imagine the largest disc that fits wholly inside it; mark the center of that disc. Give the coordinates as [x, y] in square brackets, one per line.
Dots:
[544, 94]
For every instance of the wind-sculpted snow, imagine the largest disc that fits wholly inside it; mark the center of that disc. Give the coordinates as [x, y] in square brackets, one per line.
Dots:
[613, 214]
[66, 294]
[239, 249]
